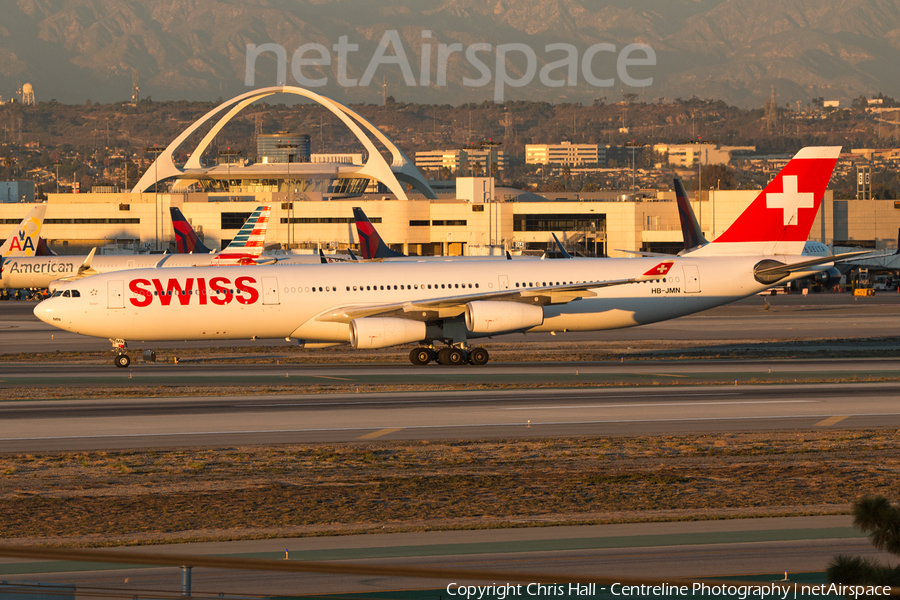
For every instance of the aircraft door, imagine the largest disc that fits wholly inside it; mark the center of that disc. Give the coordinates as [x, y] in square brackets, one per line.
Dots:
[691, 279]
[270, 290]
[504, 282]
[115, 294]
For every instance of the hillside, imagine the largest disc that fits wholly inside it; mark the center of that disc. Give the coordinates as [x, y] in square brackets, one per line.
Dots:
[735, 50]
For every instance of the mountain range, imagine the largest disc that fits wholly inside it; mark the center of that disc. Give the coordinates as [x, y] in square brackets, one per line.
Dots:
[739, 51]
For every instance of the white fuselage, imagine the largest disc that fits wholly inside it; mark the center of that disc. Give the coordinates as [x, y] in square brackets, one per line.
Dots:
[304, 301]
[41, 271]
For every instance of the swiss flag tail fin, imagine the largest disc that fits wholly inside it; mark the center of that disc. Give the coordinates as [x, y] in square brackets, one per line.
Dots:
[779, 220]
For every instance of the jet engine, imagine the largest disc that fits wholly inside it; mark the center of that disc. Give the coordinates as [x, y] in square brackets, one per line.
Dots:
[832, 276]
[495, 317]
[381, 332]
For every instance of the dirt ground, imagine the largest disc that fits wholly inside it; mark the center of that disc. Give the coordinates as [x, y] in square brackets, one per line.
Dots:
[124, 498]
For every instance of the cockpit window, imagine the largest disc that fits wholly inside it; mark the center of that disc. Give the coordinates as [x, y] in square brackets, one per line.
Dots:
[76, 294]
[57, 293]
[67, 294]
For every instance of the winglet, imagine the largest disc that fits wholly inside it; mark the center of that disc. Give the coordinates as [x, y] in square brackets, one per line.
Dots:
[562, 250]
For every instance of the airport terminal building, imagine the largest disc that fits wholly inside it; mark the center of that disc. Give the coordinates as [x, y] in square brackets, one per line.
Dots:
[312, 196]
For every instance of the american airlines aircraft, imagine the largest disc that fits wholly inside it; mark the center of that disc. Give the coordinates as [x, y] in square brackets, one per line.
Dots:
[45, 271]
[26, 239]
[377, 305]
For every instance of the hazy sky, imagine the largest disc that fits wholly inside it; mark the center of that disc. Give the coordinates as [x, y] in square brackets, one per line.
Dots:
[453, 51]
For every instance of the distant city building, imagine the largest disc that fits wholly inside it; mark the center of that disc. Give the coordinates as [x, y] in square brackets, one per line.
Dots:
[16, 191]
[687, 155]
[565, 153]
[832, 103]
[462, 159]
[276, 147]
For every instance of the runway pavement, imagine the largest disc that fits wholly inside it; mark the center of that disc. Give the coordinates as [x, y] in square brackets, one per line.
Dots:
[677, 549]
[75, 425]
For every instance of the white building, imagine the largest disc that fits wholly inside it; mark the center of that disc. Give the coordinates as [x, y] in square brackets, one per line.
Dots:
[687, 155]
[565, 153]
[463, 160]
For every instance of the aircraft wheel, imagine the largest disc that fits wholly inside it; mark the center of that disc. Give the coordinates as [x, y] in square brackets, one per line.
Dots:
[479, 356]
[455, 356]
[442, 358]
[421, 356]
[122, 360]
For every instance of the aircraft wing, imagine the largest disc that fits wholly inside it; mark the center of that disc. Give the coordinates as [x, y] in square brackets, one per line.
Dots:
[452, 306]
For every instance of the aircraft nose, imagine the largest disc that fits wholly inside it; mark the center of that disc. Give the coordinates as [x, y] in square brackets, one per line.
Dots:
[42, 311]
[48, 312]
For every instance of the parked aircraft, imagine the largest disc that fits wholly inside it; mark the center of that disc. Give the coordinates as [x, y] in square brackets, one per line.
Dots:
[186, 239]
[372, 247]
[26, 239]
[377, 305]
[41, 271]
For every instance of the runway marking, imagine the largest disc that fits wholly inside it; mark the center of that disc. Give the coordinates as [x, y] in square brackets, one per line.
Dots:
[661, 375]
[327, 377]
[665, 404]
[444, 426]
[379, 433]
[375, 400]
[831, 421]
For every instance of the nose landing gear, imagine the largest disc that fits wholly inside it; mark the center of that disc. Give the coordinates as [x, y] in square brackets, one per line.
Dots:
[121, 360]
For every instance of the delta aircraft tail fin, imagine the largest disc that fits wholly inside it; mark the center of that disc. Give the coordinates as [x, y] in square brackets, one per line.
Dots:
[690, 228]
[26, 238]
[186, 239]
[370, 243]
[779, 220]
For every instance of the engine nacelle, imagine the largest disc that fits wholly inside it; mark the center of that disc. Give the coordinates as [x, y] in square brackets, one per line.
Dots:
[381, 332]
[495, 317]
[831, 276]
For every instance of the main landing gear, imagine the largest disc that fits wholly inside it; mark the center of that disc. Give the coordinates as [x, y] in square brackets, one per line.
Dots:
[451, 355]
[122, 360]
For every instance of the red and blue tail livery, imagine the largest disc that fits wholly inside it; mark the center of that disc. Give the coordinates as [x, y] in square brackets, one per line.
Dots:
[186, 239]
[371, 246]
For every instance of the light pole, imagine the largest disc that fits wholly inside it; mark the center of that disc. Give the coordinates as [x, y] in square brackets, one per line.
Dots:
[289, 147]
[700, 142]
[632, 144]
[154, 149]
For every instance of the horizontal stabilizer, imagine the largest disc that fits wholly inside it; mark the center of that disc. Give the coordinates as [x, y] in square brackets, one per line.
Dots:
[772, 271]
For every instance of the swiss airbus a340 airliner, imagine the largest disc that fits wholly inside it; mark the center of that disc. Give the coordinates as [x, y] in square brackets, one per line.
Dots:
[377, 305]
